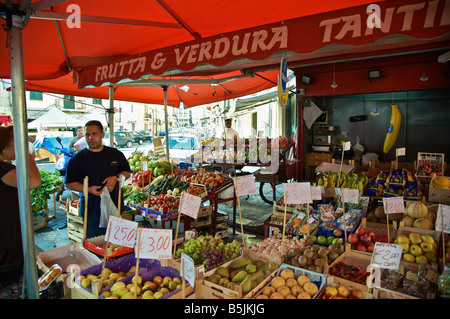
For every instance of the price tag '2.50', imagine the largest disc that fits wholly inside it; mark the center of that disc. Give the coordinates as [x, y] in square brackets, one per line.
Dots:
[121, 231]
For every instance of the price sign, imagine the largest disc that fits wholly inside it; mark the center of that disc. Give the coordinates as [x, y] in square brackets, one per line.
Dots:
[189, 205]
[245, 185]
[155, 243]
[316, 192]
[123, 232]
[400, 151]
[188, 234]
[393, 205]
[444, 211]
[144, 166]
[297, 193]
[387, 255]
[189, 269]
[350, 195]
[347, 146]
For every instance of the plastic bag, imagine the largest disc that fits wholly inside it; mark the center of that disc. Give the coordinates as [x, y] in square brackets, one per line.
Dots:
[107, 208]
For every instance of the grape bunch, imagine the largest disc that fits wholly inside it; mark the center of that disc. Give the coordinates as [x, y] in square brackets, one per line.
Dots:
[213, 258]
[196, 248]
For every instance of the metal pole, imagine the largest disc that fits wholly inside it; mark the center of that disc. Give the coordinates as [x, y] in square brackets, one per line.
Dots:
[111, 116]
[21, 152]
[166, 124]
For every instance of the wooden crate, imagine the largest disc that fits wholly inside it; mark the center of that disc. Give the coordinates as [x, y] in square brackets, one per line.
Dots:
[336, 282]
[438, 195]
[75, 228]
[209, 290]
[158, 148]
[353, 259]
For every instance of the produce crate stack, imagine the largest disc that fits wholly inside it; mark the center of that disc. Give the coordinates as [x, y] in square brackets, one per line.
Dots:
[75, 225]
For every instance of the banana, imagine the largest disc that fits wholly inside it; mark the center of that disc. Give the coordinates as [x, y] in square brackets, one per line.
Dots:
[393, 129]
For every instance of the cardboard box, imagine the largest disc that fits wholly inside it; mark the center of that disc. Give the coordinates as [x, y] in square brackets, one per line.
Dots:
[209, 290]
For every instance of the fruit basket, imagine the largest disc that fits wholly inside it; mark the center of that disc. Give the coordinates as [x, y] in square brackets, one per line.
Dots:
[293, 283]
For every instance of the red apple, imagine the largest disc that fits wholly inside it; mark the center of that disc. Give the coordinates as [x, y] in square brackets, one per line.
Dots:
[370, 248]
[365, 240]
[361, 247]
[352, 238]
[360, 231]
[325, 296]
[353, 246]
[337, 233]
[371, 234]
[357, 294]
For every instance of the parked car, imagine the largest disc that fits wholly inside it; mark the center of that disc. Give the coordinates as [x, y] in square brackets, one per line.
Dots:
[141, 136]
[182, 146]
[121, 139]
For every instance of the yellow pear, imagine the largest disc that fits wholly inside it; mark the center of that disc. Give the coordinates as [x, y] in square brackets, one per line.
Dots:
[118, 285]
[120, 291]
[148, 295]
[86, 283]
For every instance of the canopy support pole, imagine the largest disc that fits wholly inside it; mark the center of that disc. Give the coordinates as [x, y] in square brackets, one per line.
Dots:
[111, 115]
[166, 124]
[30, 278]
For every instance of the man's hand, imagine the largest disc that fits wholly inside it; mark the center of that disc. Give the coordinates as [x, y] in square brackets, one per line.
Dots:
[111, 182]
[95, 190]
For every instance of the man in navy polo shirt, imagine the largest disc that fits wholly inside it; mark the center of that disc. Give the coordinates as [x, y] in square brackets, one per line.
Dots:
[103, 166]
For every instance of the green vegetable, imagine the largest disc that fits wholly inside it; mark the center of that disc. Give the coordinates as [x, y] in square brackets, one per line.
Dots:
[50, 182]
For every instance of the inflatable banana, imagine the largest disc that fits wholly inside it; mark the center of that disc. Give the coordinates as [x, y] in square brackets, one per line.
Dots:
[393, 129]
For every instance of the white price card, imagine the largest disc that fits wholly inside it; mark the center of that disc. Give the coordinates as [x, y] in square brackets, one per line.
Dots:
[347, 146]
[387, 256]
[189, 269]
[316, 192]
[188, 234]
[443, 210]
[155, 243]
[350, 195]
[121, 231]
[189, 205]
[400, 151]
[297, 193]
[393, 205]
[144, 166]
[245, 185]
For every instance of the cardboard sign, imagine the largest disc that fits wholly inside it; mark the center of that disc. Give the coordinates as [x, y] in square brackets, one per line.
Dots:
[387, 255]
[347, 146]
[444, 211]
[123, 232]
[400, 151]
[245, 185]
[393, 205]
[316, 192]
[189, 205]
[155, 243]
[189, 269]
[297, 193]
[350, 195]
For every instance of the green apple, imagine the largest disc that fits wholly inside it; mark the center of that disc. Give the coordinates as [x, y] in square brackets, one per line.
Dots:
[408, 257]
[415, 239]
[405, 247]
[421, 259]
[401, 239]
[330, 239]
[427, 239]
[415, 250]
[322, 239]
[426, 246]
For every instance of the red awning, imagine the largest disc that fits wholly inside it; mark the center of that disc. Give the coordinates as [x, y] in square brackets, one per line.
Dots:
[226, 86]
[126, 28]
[5, 120]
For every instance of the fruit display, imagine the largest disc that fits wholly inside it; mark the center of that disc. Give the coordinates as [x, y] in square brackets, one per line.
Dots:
[419, 216]
[338, 291]
[426, 168]
[441, 182]
[142, 178]
[210, 180]
[364, 241]
[196, 191]
[420, 249]
[300, 224]
[313, 257]
[125, 285]
[196, 247]
[156, 165]
[353, 273]
[245, 271]
[163, 203]
[289, 285]
[343, 180]
[272, 245]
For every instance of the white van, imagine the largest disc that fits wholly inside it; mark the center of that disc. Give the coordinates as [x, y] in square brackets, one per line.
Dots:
[182, 146]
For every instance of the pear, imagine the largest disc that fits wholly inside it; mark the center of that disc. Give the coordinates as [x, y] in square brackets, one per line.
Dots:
[86, 283]
[117, 285]
[120, 291]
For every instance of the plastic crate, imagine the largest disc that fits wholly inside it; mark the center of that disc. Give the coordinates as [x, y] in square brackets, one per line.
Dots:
[435, 160]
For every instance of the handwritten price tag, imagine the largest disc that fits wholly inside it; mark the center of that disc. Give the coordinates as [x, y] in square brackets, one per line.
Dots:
[350, 195]
[297, 193]
[316, 192]
[387, 255]
[245, 185]
[445, 210]
[189, 269]
[393, 205]
[144, 166]
[189, 205]
[155, 243]
[123, 232]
